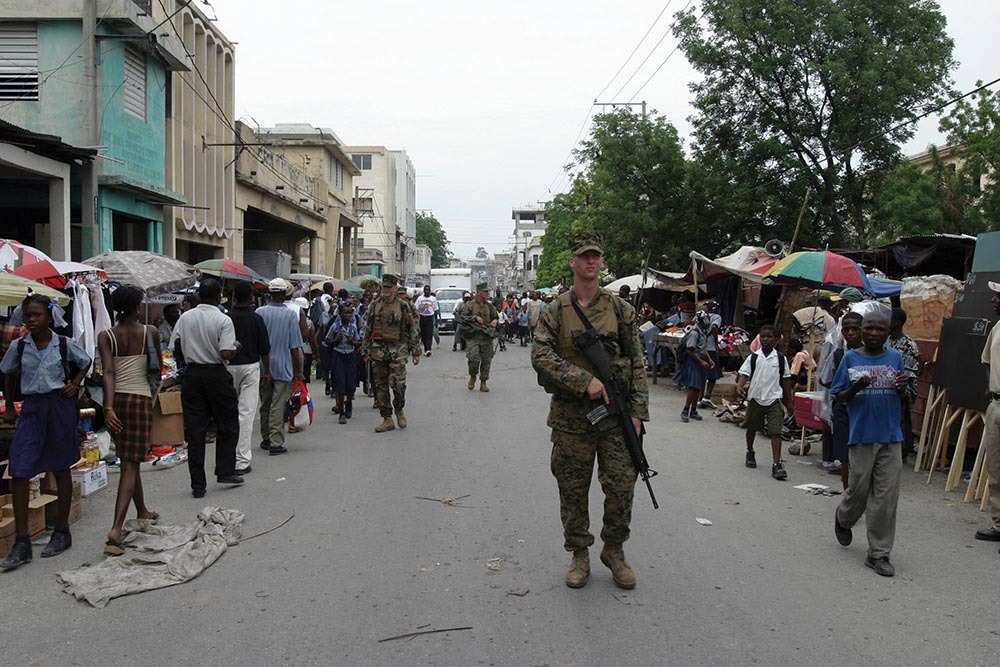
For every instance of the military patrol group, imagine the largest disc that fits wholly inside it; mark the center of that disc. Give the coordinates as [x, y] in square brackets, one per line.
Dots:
[392, 336]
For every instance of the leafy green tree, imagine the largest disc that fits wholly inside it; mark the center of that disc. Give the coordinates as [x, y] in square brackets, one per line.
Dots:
[432, 234]
[799, 93]
[973, 128]
[908, 203]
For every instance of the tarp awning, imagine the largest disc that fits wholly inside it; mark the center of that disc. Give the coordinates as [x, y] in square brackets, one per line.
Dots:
[749, 263]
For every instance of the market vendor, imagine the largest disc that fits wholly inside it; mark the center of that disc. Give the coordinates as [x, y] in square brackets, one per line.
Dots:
[51, 369]
[991, 422]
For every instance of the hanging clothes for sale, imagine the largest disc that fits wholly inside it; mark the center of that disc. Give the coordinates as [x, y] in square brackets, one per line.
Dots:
[83, 320]
[102, 318]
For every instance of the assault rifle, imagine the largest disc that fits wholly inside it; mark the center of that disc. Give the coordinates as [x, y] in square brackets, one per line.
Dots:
[589, 342]
[481, 328]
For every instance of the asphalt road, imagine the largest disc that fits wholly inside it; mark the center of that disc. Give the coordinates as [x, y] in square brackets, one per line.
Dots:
[364, 559]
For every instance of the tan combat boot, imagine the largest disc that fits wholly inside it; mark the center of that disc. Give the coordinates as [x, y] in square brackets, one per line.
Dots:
[614, 558]
[579, 569]
[400, 419]
[386, 425]
[482, 386]
[472, 382]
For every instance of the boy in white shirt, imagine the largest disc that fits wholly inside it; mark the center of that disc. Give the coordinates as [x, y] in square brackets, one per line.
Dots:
[767, 372]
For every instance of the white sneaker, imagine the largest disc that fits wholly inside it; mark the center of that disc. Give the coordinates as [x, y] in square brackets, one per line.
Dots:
[706, 403]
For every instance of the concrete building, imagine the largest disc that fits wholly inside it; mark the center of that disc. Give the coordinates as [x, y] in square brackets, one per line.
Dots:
[529, 227]
[385, 201]
[370, 262]
[319, 153]
[200, 139]
[421, 274]
[279, 209]
[101, 84]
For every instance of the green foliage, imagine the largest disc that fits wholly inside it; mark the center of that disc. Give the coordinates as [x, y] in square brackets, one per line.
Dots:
[973, 128]
[908, 204]
[799, 93]
[431, 234]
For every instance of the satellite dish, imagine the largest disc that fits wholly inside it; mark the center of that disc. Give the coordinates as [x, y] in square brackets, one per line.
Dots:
[775, 248]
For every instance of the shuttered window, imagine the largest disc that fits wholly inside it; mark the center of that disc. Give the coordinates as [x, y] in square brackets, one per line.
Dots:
[18, 61]
[135, 83]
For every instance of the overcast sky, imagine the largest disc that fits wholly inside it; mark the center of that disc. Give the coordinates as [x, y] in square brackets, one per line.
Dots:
[487, 98]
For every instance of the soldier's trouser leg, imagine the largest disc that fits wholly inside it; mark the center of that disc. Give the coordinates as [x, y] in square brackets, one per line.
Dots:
[486, 360]
[397, 382]
[380, 380]
[617, 475]
[572, 465]
[473, 354]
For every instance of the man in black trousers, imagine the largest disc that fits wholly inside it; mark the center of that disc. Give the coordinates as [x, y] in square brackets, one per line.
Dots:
[206, 339]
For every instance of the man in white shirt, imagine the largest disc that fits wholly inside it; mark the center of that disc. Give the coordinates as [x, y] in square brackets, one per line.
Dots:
[767, 373]
[206, 339]
[991, 428]
[427, 307]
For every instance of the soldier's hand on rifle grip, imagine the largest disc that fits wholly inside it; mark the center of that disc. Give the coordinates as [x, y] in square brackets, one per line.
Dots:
[416, 359]
[596, 390]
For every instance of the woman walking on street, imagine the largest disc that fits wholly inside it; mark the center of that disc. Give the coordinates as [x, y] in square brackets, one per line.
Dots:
[344, 339]
[125, 351]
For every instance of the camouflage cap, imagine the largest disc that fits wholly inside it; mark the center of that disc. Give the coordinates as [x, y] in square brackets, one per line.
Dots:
[586, 241]
[389, 280]
[483, 287]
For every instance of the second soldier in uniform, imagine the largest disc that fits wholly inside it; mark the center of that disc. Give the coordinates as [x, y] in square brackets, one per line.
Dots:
[565, 372]
[480, 343]
[391, 335]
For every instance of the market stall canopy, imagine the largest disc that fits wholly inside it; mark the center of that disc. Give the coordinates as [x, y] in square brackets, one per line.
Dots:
[55, 273]
[230, 269]
[749, 263]
[14, 254]
[14, 288]
[926, 255]
[154, 274]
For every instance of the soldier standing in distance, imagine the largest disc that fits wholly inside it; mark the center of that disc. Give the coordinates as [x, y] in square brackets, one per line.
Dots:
[566, 373]
[479, 349]
[391, 333]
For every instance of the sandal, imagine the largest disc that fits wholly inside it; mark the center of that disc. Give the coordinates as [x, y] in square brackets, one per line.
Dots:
[112, 549]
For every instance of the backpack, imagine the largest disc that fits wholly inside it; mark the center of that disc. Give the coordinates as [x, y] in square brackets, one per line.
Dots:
[781, 366]
[63, 354]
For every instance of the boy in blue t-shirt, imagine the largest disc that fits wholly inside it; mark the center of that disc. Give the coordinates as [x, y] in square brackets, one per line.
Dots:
[869, 381]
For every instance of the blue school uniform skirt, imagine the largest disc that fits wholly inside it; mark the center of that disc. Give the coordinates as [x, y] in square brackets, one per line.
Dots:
[46, 438]
[345, 373]
[691, 374]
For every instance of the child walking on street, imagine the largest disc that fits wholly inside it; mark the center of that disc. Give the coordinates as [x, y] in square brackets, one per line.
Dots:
[694, 362]
[50, 370]
[869, 381]
[768, 375]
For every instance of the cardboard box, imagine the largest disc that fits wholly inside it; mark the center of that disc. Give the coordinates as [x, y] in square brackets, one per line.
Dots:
[168, 419]
[724, 391]
[91, 480]
[6, 536]
[52, 512]
[6, 507]
[36, 514]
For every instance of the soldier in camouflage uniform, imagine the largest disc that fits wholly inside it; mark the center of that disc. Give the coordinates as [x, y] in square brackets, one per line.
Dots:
[390, 335]
[479, 350]
[566, 373]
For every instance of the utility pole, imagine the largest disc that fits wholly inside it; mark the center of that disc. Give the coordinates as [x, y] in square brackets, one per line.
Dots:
[615, 105]
[91, 242]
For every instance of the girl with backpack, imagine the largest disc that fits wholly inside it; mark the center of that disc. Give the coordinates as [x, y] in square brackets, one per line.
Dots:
[694, 362]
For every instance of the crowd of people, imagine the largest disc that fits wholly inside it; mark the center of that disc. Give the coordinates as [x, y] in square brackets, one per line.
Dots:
[246, 361]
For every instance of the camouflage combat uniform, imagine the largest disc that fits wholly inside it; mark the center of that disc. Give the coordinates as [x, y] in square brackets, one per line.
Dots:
[391, 335]
[565, 373]
[479, 350]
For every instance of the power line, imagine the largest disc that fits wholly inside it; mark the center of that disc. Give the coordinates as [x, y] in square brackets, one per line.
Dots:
[657, 70]
[650, 54]
[638, 44]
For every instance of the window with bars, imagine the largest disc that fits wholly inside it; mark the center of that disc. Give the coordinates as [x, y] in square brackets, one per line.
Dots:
[18, 61]
[134, 88]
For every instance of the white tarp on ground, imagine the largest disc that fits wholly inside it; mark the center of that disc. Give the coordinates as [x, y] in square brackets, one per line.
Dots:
[156, 556]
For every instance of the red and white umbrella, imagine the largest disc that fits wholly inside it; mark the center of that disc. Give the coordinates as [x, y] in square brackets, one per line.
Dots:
[14, 254]
[55, 273]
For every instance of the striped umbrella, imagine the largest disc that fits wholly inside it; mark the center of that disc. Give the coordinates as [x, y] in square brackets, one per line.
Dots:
[819, 270]
[14, 254]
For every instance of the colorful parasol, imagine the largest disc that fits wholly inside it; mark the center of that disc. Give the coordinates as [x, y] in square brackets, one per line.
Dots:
[54, 273]
[819, 270]
[14, 254]
[230, 269]
[14, 288]
[154, 274]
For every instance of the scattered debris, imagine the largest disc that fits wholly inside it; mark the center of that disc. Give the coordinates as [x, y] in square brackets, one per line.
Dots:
[519, 592]
[623, 598]
[424, 632]
[261, 594]
[704, 522]
[494, 564]
[818, 490]
[450, 502]
[250, 537]
[280, 479]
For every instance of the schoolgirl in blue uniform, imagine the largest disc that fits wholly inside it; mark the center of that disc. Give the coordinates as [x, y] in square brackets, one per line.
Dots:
[46, 437]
